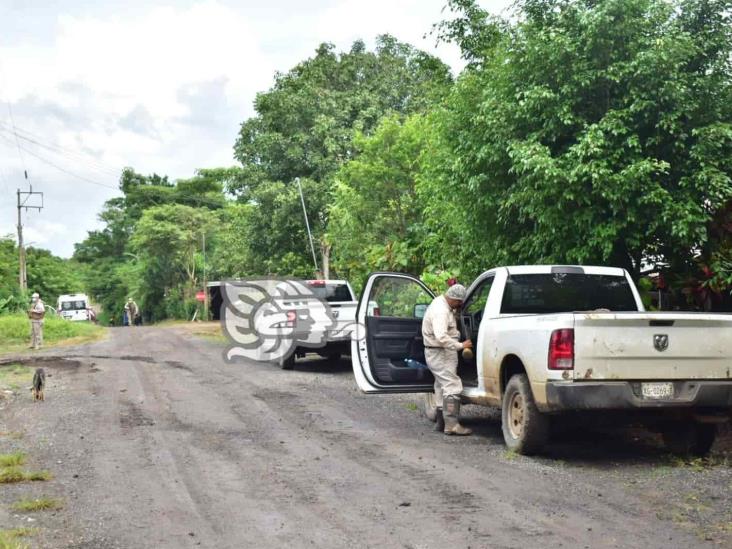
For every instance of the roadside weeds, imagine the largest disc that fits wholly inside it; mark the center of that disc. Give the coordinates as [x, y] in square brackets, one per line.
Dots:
[38, 504]
[15, 333]
[9, 538]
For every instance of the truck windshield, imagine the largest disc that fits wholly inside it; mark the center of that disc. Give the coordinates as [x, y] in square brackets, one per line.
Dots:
[562, 293]
[73, 305]
[331, 292]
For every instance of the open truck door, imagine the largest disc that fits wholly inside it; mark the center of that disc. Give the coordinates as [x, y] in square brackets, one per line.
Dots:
[388, 354]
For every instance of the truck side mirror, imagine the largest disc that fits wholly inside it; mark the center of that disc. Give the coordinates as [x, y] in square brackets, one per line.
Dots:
[419, 310]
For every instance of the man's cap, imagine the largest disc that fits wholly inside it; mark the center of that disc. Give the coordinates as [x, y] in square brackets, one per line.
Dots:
[456, 291]
[35, 294]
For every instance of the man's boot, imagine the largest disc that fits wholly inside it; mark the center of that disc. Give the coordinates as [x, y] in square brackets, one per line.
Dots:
[439, 421]
[451, 414]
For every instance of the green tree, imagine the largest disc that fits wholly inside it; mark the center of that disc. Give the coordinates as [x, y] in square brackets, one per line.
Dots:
[230, 255]
[48, 275]
[305, 126]
[588, 132]
[167, 243]
[115, 268]
[375, 215]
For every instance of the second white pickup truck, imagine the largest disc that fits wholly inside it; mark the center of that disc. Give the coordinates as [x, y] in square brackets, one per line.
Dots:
[333, 323]
[556, 339]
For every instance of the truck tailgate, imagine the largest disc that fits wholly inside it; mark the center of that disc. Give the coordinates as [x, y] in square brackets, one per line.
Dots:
[344, 314]
[652, 346]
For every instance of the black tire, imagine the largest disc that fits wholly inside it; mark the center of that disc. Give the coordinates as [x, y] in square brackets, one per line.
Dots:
[429, 407]
[288, 363]
[689, 438]
[525, 428]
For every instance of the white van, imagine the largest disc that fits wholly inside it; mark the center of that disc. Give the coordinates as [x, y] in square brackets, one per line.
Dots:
[73, 307]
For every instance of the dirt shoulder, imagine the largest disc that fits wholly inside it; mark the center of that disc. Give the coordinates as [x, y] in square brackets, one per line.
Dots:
[154, 441]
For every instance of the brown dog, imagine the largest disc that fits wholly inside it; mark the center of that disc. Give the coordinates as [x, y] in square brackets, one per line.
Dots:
[39, 384]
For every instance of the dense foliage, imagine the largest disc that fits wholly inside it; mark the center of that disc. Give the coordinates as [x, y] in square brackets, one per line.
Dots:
[305, 128]
[14, 331]
[590, 132]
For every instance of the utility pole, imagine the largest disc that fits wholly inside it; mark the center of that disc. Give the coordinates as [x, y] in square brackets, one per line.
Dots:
[23, 197]
[307, 225]
[205, 281]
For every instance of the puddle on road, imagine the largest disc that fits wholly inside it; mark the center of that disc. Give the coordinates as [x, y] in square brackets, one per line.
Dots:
[53, 362]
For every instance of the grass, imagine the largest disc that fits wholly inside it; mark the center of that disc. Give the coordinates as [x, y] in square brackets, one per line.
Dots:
[11, 460]
[15, 332]
[212, 336]
[9, 475]
[38, 475]
[411, 406]
[9, 538]
[38, 504]
[15, 377]
[207, 330]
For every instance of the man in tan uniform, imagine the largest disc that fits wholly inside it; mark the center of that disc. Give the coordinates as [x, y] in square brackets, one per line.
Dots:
[132, 311]
[36, 313]
[442, 343]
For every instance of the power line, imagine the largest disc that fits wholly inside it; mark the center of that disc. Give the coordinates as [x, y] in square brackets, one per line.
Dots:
[68, 172]
[198, 199]
[92, 163]
[22, 160]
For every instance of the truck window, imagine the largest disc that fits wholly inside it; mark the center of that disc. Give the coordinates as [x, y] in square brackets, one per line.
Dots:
[562, 293]
[398, 298]
[331, 292]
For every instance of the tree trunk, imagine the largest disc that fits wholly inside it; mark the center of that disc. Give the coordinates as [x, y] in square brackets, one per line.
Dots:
[325, 259]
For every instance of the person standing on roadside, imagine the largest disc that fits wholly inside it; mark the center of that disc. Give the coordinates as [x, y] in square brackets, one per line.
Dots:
[36, 313]
[442, 344]
[131, 311]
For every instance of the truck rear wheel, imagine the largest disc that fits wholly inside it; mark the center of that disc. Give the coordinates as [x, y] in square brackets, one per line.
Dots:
[689, 438]
[525, 428]
[288, 363]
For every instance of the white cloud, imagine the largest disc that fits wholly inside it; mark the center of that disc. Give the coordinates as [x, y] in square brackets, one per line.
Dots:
[39, 233]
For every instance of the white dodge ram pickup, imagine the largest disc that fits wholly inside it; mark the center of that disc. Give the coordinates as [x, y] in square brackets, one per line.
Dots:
[555, 339]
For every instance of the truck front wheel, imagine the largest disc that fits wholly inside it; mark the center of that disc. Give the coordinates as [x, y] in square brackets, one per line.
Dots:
[525, 428]
[689, 438]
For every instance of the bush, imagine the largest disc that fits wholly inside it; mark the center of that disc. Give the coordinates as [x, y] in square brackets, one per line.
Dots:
[15, 329]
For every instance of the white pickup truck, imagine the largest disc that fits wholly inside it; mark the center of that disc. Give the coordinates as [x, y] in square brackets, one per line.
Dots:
[555, 339]
[332, 324]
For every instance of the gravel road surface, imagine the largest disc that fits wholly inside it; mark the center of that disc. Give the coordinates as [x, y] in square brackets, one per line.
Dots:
[154, 441]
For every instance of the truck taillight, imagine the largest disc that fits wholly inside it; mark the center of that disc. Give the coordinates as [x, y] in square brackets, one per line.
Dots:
[291, 318]
[561, 349]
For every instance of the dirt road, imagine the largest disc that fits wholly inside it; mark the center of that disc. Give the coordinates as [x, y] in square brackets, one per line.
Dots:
[154, 441]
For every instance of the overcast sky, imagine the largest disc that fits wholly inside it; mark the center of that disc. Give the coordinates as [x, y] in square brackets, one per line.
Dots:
[93, 86]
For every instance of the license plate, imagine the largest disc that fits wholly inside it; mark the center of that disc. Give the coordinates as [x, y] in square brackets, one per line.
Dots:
[657, 390]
